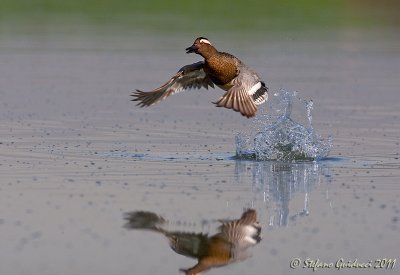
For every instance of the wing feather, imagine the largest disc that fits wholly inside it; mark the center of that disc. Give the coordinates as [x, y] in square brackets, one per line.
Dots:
[246, 106]
[239, 100]
[239, 96]
[188, 77]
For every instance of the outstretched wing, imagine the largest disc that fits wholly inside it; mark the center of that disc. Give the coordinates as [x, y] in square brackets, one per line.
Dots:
[188, 77]
[238, 99]
[246, 92]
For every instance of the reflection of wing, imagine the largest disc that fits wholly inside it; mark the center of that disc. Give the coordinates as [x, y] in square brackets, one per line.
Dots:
[188, 77]
[144, 220]
[193, 245]
[244, 232]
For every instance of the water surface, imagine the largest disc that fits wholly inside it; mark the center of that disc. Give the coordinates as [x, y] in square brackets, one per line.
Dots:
[76, 155]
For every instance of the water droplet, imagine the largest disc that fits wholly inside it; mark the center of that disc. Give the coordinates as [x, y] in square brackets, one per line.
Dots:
[277, 134]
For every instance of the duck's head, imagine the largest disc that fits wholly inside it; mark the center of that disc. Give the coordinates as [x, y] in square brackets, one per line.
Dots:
[200, 46]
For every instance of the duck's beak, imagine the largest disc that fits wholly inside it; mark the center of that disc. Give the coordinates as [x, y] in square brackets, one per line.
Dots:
[192, 49]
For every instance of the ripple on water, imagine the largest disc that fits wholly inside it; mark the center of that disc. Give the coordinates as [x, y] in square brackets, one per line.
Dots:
[279, 133]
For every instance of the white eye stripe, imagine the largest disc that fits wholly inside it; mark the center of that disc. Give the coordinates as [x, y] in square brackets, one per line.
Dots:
[205, 41]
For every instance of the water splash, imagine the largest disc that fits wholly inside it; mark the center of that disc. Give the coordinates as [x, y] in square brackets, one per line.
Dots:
[278, 134]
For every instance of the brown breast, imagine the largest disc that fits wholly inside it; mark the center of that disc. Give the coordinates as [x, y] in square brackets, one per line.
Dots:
[221, 68]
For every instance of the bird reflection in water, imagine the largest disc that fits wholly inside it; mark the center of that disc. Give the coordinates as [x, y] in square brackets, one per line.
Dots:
[230, 244]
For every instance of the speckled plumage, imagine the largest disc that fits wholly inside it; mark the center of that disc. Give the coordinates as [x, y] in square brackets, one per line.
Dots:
[221, 68]
[244, 89]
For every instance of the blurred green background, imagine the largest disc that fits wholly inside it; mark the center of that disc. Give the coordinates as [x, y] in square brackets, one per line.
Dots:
[205, 15]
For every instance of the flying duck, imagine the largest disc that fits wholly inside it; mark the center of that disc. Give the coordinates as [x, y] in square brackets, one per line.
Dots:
[244, 88]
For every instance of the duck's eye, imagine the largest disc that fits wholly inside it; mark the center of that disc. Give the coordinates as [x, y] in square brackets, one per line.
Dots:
[205, 41]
